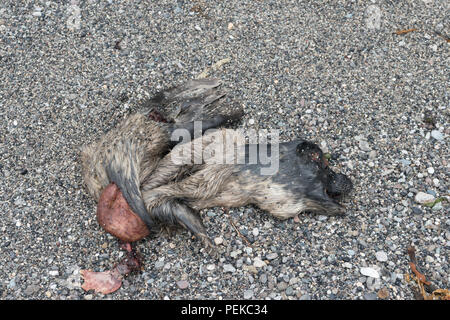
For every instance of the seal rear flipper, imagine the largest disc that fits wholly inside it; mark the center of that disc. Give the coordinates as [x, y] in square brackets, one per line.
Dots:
[173, 212]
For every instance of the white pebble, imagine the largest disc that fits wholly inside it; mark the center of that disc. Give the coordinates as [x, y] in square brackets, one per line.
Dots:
[436, 182]
[255, 232]
[258, 263]
[248, 294]
[370, 272]
[430, 170]
[218, 241]
[272, 256]
[251, 122]
[347, 265]
[324, 147]
[423, 197]
[364, 145]
[381, 256]
[229, 268]
[182, 284]
[235, 253]
[436, 134]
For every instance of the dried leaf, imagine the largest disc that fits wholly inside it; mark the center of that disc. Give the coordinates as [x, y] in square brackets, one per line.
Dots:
[443, 294]
[419, 276]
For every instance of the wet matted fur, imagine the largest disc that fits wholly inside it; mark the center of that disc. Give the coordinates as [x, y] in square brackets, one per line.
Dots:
[140, 158]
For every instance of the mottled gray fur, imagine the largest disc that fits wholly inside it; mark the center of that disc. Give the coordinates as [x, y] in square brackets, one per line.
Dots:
[129, 153]
[138, 157]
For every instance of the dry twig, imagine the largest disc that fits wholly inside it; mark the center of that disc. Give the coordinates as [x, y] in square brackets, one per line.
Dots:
[237, 230]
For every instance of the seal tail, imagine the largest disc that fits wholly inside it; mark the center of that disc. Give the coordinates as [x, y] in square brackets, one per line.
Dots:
[123, 168]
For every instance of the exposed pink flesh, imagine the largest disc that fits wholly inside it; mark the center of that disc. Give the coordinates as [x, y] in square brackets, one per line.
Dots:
[109, 281]
[101, 282]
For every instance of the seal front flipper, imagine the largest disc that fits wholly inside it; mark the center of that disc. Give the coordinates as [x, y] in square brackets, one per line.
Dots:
[194, 100]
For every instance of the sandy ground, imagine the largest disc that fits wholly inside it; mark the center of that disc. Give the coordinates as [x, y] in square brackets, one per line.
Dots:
[334, 72]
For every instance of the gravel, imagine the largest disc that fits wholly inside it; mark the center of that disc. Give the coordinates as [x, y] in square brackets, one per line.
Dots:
[330, 72]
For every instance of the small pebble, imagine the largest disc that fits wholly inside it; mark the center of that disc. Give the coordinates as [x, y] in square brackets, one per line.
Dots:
[235, 253]
[258, 263]
[272, 256]
[248, 294]
[229, 268]
[364, 145]
[347, 265]
[370, 296]
[436, 134]
[383, 293]
[437, 206]
[381, 256]
[182, 284]
[370, 272]
[289, 291]
[423, 197]
[282, 285]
